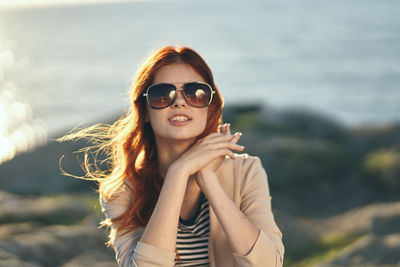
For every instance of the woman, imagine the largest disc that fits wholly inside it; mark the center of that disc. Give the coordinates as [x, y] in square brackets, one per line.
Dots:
[176, 193]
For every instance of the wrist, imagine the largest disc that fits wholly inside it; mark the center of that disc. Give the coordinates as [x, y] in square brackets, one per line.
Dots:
[178, 170]
[205, 177]
[206, 172]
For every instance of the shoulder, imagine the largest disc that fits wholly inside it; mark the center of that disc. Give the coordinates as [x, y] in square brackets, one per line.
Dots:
[247, 162]
[242, 170]
[243, 164]
[118, 203]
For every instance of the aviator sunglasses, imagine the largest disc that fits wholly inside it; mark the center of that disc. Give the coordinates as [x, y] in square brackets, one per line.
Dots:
[162, 95]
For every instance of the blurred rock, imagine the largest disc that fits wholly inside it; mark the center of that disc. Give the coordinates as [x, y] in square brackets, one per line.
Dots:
[377, 218]
[295, 234]
[371, 250]
[10, 260]
[9, 230]
[98, 258]
[51, 245]
[37, 172]
[64, 208]
[25, 240]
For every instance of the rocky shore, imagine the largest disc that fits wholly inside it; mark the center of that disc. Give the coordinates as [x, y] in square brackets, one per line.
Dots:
[51, 231]
[335, 194]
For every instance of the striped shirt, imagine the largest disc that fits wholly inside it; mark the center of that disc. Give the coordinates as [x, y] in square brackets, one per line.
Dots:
[192, 239]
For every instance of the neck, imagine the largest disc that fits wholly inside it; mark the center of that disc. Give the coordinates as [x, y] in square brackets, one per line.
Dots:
[167, 152]
[170, 150]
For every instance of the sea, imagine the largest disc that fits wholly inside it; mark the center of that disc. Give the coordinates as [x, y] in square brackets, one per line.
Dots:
[65, 65]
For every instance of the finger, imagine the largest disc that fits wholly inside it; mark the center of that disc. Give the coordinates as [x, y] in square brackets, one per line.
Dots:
[211, 136]
[228, 129]
[219, 130]
[226, 144]
[223, 129]
[223, 152]
[216, 138]
[236, 137]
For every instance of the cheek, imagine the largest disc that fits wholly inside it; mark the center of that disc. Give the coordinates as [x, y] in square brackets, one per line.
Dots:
[155, 120]
[203, 117]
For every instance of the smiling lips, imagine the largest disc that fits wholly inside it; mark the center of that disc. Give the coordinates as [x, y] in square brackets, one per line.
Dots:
[180, 119]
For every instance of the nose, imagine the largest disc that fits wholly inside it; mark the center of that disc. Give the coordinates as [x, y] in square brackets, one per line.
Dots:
[179, 99]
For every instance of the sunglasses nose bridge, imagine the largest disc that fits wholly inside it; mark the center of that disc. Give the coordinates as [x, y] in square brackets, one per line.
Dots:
[179, 95]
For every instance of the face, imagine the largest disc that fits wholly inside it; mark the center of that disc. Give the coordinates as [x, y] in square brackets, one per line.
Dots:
[171, 122]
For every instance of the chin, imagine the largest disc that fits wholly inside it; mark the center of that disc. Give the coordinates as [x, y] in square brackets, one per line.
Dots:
[180, 134]
[184, 136]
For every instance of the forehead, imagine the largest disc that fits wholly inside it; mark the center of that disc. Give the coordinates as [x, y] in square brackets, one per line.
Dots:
[177, 73]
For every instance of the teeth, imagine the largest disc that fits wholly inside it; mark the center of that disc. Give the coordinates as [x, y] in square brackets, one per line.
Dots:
[180, 118]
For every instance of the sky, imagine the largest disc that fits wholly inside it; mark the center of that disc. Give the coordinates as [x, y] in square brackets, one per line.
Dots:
[13, 4]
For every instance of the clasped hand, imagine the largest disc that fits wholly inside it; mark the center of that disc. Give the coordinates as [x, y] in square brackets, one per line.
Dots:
[208, 153]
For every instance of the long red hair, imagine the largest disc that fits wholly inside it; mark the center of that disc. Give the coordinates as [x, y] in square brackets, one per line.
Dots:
[130, 146]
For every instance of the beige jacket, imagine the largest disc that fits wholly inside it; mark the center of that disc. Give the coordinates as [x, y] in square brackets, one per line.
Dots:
[245, 181]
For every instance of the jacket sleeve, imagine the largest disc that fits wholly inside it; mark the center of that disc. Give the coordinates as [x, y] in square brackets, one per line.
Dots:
[129, 251]
[268, 250]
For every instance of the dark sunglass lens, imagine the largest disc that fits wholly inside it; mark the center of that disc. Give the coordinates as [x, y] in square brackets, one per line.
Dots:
[198, 94]
[161, 95]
